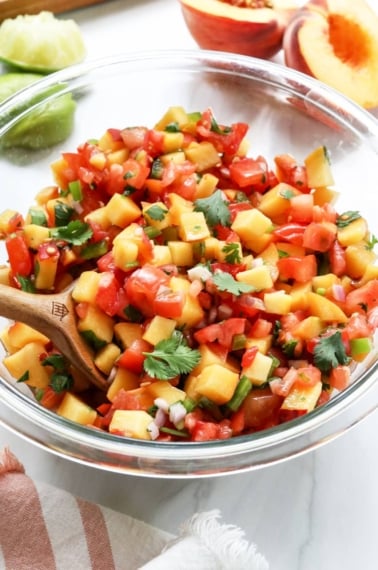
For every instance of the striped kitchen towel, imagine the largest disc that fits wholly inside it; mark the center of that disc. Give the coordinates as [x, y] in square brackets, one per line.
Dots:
[45, 528]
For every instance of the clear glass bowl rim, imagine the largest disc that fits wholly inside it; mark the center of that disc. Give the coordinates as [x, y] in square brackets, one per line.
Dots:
[266, 72]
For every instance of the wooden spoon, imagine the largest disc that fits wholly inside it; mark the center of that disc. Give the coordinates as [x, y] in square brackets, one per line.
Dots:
[54, 316]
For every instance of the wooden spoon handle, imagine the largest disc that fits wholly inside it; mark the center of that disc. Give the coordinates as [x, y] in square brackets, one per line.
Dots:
[42, 312]
[54, 316]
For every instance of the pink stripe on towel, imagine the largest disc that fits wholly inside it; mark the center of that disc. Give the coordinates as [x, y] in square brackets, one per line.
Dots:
[96, 535]
[24, 538]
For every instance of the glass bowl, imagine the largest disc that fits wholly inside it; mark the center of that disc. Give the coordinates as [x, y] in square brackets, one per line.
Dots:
[287, 113]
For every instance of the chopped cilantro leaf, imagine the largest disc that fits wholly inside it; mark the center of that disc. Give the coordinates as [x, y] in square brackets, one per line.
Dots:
[215, 209]
[57, 361]
[329, 352]
[232, 252]
[61, 381]
[133, 314]
[128, 190]
[372, 242]
[171, 357]
[289, 348]
[173, 127]
[226, 282]
[75, 232]
[286, 193]
[63, 213]
[215, 128]
[347, 218]
[93, 340]
[282, 254]
[26, 284]
[24, 377]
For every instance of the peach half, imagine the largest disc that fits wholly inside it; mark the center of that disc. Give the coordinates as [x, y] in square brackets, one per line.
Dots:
[247, 27]
[336, 41]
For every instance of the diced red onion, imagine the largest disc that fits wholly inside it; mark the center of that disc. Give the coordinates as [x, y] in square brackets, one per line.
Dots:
[160, 417]
[177, 413]
[212, 315]
[200, 272]
[77, 206]
[338, 292]
[153, 430]
[195, 288]
[162, 404]
[224, 312]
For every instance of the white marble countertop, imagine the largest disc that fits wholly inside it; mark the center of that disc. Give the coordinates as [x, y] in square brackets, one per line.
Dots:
[315, 512]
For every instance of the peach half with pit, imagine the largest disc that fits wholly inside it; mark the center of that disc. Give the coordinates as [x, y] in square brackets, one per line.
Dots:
[247, 27]
[336, 41]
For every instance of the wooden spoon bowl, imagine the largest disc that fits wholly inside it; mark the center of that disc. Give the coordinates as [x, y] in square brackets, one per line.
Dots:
[54, 316]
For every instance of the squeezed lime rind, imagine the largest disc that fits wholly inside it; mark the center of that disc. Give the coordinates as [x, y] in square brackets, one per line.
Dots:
[40, 43]
[10, 83]
[48, 124]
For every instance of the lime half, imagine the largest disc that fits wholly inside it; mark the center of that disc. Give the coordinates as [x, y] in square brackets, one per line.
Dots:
[10, 83]
[50, 123]
[41, 42]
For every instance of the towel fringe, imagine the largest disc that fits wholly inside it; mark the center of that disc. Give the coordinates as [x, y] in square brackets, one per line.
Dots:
[9, 462]
[226, 542]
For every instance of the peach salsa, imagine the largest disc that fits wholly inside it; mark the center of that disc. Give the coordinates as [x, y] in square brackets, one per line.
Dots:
[221, 295]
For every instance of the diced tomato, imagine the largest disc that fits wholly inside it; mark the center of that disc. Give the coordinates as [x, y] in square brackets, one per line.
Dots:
[231, 268]
[134, 137]
[247, 305]
[291, 172]
[104, 408]
[131, 175]
[137, 399]
[261, 407]
[236, 207]
[372, 317]
[132, 357]
[222, 332]
[81, 309]
[237, 421]
[336, 255]
[248, 171]
[308, 376]
[249, 356]
[291, 232]
[207, 431]
[225, 139]
[20, 257]
[325, 213]
[301, 208]
[301, 269]
[185, 186]
[358, 326]
[260, 328]
[92, 199]
[339, 377]
[319, 236]
[106, 262]
[282, 386]
[154, 142]
[226, 234]
[14, 223]
[289, 415]
[142, 286]
[363, 299]
[51, 399]
[168, 303]
[324, 397]
[107, 295]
